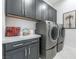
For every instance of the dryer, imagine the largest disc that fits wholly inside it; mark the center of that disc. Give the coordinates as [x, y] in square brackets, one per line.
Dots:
[48, 42]
[60, 41]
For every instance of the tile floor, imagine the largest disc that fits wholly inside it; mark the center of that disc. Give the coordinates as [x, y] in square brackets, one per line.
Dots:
[66, 53]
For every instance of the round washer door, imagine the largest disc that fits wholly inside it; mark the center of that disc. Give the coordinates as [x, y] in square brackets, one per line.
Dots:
[54, 33]
[62, 33]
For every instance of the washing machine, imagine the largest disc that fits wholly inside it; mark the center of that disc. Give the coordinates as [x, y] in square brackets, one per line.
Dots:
[48, 42]
[60, 41]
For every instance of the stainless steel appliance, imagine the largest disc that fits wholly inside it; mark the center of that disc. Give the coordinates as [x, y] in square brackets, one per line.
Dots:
[60, 41]
[48, 41]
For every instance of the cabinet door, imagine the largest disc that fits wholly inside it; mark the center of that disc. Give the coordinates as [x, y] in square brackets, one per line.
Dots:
[30, 8]
[38, 9]
[53, 11]
[52, 14]
[41, 10]
[14, 7]
[16, 54]
[44, 11]
[55, 16]
[33, 51]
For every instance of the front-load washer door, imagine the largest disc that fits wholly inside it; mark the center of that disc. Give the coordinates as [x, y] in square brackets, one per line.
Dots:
[54, 33]
[52, 36]
[61, 35]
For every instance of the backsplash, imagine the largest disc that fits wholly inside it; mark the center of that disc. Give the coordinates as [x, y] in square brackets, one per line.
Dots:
[23, 24]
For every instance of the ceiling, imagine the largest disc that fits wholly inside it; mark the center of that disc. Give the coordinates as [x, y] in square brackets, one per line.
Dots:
[52, 1]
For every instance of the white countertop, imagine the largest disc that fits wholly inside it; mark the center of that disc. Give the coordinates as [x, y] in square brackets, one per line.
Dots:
[19, 38]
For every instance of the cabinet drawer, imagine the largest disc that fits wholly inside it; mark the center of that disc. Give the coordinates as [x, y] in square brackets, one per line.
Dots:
[31, 42]
[14, 45]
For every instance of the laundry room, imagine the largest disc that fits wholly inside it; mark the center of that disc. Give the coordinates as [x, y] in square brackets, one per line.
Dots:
[39, 29]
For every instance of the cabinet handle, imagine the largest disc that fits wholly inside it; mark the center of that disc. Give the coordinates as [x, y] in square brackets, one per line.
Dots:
[25, 52]
[17, 45]
[34, 41]
[29, 51]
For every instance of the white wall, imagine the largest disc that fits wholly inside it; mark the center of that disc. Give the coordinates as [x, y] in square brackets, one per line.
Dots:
[70, 38]
[63, 6]
[3, 19]
[20, 23]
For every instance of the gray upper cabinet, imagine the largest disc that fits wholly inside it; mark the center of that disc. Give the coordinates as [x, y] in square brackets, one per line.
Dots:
[33, 51]
[28, 52]
[44, 10]
[30, 8]
[41, 10]
[55, 16]
[16, 54]
[38, 9]
[13, 7]
[52, 14]
[25, 8]
[34, 9]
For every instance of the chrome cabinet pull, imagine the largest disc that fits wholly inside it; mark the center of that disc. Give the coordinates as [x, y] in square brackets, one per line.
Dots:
[17, 45]
[34, 41]
[25, 52]
[29, 51]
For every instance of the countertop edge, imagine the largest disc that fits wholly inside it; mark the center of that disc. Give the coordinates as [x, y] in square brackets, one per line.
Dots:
[15, 39]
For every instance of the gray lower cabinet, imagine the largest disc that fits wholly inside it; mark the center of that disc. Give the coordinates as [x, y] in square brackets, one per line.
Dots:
[33, 52]
[16, 54]
[21, 50]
